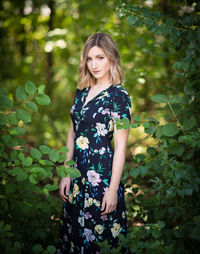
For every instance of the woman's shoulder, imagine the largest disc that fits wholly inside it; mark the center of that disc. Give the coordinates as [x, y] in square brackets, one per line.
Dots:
[120, 89]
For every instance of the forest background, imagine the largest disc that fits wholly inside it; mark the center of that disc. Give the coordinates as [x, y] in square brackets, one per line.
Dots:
[40, 45]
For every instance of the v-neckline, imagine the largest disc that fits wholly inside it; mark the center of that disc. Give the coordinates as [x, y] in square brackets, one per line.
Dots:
[88, 89]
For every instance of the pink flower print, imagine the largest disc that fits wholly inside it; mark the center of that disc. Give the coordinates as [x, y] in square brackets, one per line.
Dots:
[104, 217]
[106, 111]
[93, 177]
[105, 189]
[88, 215]
[115, 115]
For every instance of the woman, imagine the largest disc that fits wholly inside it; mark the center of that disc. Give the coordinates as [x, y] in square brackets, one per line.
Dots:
[94, 207]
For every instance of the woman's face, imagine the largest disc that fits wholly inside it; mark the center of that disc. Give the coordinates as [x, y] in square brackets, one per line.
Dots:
[98, 63]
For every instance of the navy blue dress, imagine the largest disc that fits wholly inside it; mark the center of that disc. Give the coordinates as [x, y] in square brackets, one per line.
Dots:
[83, 226]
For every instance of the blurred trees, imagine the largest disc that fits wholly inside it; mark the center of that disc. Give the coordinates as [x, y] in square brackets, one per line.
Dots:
[42, 41]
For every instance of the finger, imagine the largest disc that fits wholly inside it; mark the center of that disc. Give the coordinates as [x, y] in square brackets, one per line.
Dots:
[62, 195]
[107, 210]
[103, 205]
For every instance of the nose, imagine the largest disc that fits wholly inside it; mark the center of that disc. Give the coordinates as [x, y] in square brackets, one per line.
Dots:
[94, 64]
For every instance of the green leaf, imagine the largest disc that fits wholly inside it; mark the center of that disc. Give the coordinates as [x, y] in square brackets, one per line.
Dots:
[51, 249]
[161, 224]
[136, 118]
[61, 171]
[37, 248]
[63, 149]
[70, 163]
[135, 125]
[12, 118]
[17, 131]
[33, 178]
[50, 187]
[41, 89]
[21, 156]
[45, 191]
[44, 149]
[151, 151]
[150, 130]
[36, 170]
[143, 170]
[30, 87]
[146, 125]
[169, 130]
[27, 162]
[21, 94]
[189, 123]
[32, 106]
[3, 119]
[36, 154]
[5, 101]
[23, 115]
[73, 172]
[54, 155]
[140, 157]
[43, 99]
[134, 172]
[159, 98]
[21, 176]
[133, 19]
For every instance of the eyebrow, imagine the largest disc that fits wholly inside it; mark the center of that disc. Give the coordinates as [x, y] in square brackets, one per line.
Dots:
[96, 55]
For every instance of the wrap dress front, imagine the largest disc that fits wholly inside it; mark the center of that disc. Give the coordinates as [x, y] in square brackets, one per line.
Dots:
[83, 226]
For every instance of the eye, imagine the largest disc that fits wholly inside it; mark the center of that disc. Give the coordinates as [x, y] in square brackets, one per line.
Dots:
[88, 59]
[101, 57]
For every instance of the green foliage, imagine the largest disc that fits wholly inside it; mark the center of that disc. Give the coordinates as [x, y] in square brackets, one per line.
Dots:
[164, 217]
[29, 213]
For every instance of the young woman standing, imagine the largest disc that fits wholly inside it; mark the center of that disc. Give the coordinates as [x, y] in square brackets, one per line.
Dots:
[94, 207]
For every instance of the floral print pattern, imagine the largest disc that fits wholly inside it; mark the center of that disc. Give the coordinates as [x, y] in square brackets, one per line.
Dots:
[82, 225]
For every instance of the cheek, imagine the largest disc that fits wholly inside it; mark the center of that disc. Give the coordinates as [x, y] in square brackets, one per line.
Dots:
[88, 66]
[106, 65]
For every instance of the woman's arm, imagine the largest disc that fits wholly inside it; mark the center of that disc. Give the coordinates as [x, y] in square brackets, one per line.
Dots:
[65, 181]
[120, 144]
[70, 143]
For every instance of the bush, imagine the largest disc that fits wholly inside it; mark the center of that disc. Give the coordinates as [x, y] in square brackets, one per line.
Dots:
[167, 220]
[29, 212]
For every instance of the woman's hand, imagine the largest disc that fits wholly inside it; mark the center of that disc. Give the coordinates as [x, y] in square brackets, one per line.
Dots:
[64, 183]
[109, 201]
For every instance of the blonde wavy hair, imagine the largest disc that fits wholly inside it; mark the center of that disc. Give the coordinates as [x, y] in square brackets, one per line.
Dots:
[107, 44]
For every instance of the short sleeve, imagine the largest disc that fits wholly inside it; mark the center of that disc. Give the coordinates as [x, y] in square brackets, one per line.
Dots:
[121, 104]
[75, 99]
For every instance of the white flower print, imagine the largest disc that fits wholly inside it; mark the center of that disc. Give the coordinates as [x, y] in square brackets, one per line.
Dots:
[101, 129]
[81, 221]
[102, 150]
[116, 229]
[93, 177]
[82, 142]
[88, 234]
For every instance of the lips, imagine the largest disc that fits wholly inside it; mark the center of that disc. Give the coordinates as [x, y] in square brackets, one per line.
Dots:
[95, 72]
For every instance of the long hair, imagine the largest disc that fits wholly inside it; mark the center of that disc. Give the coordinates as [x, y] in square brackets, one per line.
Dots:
[107, 44]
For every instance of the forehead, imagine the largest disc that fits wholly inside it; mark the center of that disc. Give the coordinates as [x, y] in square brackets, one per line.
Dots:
[95, 51]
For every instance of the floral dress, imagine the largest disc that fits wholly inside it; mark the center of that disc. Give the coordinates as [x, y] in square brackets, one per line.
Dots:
[83, 226]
